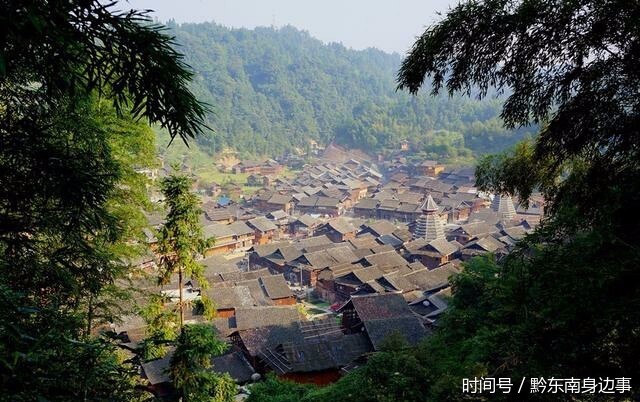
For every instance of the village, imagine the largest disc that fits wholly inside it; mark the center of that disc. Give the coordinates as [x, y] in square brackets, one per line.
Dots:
[311, 274]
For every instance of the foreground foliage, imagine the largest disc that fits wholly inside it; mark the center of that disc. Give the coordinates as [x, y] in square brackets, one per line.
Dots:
[191, 366]
[75, 78]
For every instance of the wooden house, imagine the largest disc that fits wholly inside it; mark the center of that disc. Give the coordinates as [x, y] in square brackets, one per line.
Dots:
[156, 372]
[304, 226]
[338, 230]
[366, 208]
[432, 253]
[379, 316]
[320, 205]
[265, 230]
[429, 168]
[484, 245]
[471, 231]
[228, 238]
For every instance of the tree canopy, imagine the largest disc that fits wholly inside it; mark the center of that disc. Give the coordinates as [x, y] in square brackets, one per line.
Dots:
[568, 66]
[75, 78]
[60, 47]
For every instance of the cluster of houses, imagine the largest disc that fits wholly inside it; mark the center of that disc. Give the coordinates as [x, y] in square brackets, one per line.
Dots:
[380, 250]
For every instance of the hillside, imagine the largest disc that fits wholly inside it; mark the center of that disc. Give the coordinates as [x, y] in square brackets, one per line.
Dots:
[274, 89]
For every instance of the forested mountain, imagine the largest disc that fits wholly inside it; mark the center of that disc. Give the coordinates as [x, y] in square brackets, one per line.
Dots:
[273, 89]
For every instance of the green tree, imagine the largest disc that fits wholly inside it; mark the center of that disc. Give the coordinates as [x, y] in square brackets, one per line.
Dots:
[564, 302]
[273, 389]
[566, 65]
[180, 239]
[191, 367]
[161, 327]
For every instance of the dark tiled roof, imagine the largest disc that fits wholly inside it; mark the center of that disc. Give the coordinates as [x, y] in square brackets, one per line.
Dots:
[257, 317]
[374, 307]
[443, 247]
[368, 274]
[383, 249]
[257, 292]
[408, 208]
[409, 327]
[381, 228]
[363, 242]
[235, 365]
[258, 338]
[336, 352]
[488, 244]
[516, 232]
[217, 230]
[242, 276]
[341, 226]
[284, 254]
[275, 286]
[221, 214]
[240, 228]
[263, 250]
[312, 242]
[389, 205]
[156, 371]
[217, 264]
[262, 224]
[320, 259]
[390, 240]
[397, 282]
[386, 259]
[363, 252]
[479, 228]
[308, 220]
[433, 279]
[342, 254]
[367, 203]
[277, 215]
[279, 199]
[230, 297]
[410, 197]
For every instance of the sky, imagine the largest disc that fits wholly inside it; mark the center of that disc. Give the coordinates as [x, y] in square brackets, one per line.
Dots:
[390, 25]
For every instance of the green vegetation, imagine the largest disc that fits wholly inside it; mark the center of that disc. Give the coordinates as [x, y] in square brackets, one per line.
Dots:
[162, 327]
[180, 238]
[203, 165]
[191, 366]
[75, 78]
[276, 89]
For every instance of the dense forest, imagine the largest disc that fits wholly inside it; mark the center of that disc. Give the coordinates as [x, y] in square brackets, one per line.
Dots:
[275, 89]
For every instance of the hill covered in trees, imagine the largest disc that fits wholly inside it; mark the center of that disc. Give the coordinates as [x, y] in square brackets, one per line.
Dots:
[274, 89]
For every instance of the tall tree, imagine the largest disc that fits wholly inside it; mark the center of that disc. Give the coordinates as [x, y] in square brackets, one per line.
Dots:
[192, 368]
[64, 198]
[565, 302]
[180, 239]
[569, 66]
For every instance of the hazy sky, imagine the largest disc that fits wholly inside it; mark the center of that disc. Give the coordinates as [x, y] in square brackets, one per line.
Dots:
[390, 25]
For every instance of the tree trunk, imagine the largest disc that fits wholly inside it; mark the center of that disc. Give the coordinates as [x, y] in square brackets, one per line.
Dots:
[180, 302]
[90, 315]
